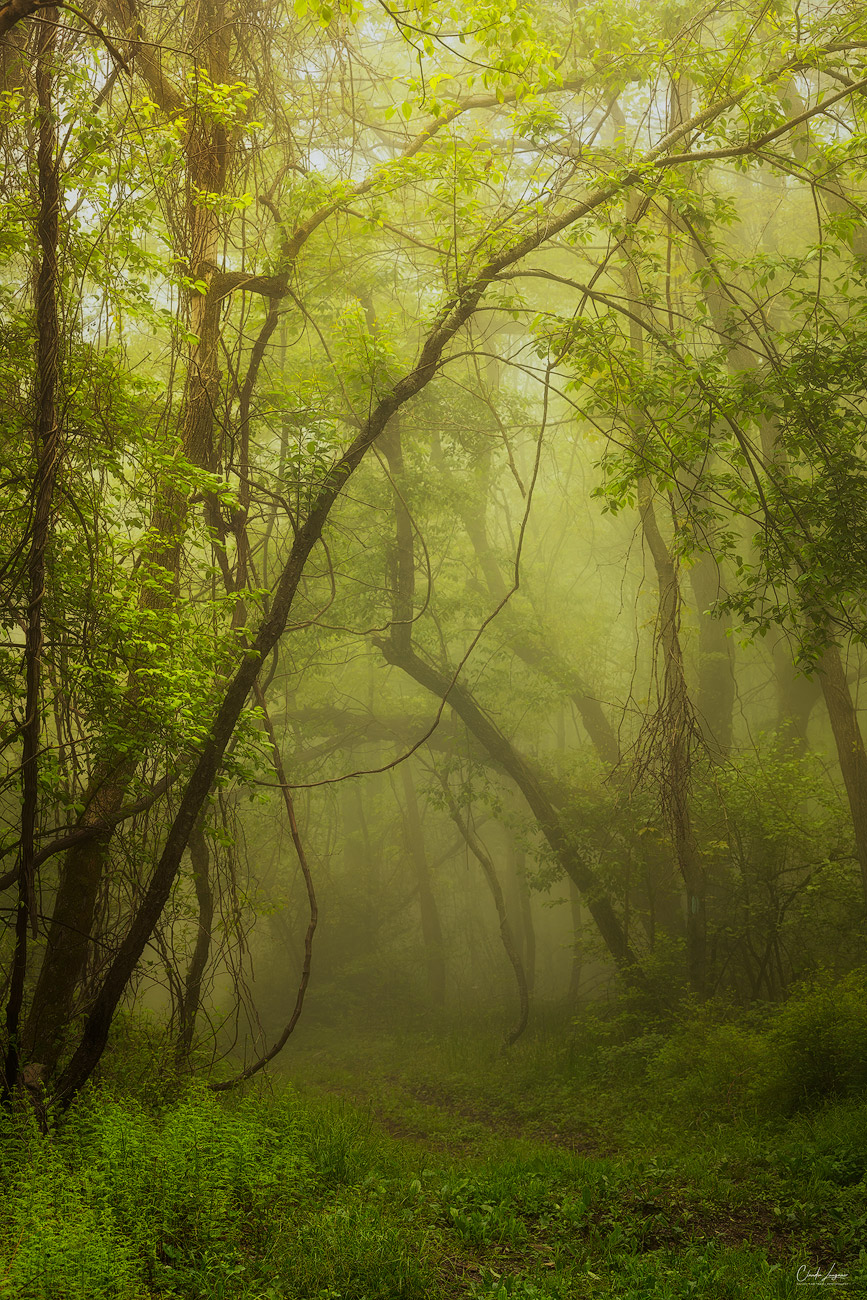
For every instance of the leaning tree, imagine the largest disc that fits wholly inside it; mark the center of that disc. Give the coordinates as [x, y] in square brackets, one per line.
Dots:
[241, 247]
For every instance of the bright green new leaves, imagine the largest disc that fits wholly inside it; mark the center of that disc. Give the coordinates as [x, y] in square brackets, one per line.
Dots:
[224, 105]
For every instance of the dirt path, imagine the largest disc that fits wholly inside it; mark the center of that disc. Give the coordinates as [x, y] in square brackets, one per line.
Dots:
[430, 1115]
[503, 1121]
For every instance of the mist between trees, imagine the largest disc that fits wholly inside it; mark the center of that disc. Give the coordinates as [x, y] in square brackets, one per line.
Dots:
[433, 472]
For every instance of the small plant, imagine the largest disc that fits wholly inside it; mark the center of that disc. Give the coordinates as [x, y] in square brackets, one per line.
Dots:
[496, 1287]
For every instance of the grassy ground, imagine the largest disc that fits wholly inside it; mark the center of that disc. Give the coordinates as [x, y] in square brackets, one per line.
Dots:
[424, 1168]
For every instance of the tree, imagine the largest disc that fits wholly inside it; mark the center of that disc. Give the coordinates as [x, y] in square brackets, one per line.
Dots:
[251, 229]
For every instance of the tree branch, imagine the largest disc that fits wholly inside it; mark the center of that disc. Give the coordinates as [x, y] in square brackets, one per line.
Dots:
[81, 833]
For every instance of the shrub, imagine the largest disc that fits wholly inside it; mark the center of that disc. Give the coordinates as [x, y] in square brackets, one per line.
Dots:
[711, 1066]
[818, 1043]
[772, 1061]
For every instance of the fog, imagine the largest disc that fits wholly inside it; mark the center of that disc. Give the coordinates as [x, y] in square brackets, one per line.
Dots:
[433, 607]
[432, 618]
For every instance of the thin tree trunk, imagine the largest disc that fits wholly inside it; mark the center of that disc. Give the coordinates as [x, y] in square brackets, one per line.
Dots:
[403, 591]
[576, 968]
[850, 747]
[716, 681]
[200, 861]
[83, 869]
[485, 861]
[525, 904]
[796, 696]
[431, 929]
[47, 452]
[675, 713]
[307, 963]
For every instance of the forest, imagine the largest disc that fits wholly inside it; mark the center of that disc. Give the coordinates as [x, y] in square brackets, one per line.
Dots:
[433, 603]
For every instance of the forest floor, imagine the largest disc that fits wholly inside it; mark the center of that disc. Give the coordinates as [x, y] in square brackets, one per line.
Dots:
[671, 1204]
[414, 1166]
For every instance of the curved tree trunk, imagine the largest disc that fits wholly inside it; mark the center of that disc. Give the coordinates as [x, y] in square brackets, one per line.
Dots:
[542, 802]
[398, 650]
[480, 853]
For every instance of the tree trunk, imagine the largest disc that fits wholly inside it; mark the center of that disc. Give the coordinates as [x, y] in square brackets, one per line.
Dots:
[675, 717]
[541, 802]
[431, 929]
[676, 722]
[525, 904]
[796, 694]
[398, 650]
[716, 682]
[46, 450]
[83, 869]
[484, 859]
[576, 968]
[200, 861]
[850, 747]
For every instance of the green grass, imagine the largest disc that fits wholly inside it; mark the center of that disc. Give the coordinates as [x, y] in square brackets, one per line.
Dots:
[426, 1169]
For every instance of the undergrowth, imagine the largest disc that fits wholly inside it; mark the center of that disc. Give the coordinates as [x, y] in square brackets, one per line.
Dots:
[714, 1156]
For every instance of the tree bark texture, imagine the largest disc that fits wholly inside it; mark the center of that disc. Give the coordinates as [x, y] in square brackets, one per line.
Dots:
[675, 744]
